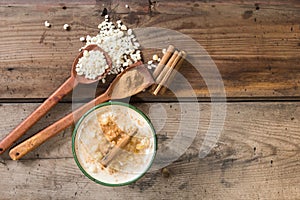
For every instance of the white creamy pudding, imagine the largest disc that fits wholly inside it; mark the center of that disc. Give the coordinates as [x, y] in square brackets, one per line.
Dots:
[104, 128]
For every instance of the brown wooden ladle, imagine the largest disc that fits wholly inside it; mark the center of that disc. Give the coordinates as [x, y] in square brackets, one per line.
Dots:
[131, 81]
[63, 90]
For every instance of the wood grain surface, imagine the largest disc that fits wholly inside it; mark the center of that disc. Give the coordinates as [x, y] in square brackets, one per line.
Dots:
[257, 158]
[255, 46]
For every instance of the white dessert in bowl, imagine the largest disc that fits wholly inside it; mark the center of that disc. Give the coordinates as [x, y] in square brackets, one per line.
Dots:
[100, 130]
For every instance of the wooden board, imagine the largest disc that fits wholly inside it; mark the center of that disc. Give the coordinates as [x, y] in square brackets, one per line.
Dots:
[254, 45]
[256, 48]
[256, 157]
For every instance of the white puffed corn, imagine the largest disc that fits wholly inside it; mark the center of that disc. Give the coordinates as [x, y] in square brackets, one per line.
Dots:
[47, 24]
[88, 38]
[155, 57]
[123, 28]
[66, 27]
[129, 31]
[82, 39]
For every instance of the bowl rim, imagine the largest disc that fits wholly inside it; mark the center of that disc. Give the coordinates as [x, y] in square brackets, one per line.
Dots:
[111, 103]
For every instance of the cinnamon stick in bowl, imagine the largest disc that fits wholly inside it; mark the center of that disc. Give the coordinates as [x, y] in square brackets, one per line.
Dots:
[118, 148]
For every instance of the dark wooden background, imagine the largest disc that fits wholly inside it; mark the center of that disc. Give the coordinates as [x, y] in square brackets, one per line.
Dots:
[256, 47]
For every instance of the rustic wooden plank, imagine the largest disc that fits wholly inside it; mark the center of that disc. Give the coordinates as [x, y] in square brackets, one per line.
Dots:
[61, 179]
[256, 157]
[253, 118]
[60, 145]
[255, 46]
[21, 111]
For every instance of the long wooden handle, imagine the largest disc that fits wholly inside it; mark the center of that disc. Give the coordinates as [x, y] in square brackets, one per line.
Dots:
[25, 125]
[52, 130]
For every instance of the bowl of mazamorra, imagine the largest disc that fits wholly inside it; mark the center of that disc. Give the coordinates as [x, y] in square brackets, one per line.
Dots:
[114, 144]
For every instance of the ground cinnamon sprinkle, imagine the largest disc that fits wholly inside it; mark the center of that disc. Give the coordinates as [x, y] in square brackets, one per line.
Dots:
[130, 82]
[114, 135]
[111, 130]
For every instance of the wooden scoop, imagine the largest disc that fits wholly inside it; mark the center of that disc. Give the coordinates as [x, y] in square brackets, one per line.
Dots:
[131, 81]
[63, 90]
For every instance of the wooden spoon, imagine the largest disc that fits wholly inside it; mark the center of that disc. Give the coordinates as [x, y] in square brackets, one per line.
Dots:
[131, 81]
[64, 89]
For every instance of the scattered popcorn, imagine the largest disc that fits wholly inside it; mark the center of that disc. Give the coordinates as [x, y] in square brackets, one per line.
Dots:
[47, 24]
[123, 28]
[164, 51]
[88, 38]
[129, 31]
[66, 27]
[82, 39]
[106, 16]
[154, 62]
[155, 57]
[126, 6]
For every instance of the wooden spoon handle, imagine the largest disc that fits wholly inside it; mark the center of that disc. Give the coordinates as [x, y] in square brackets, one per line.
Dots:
[52, 130]
[25, 125]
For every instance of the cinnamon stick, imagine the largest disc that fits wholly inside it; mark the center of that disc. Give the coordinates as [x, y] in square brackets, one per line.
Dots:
[172, 76]
[166, 68]
[163, 61]
[117, 148]
[168, 72]
[164, 71]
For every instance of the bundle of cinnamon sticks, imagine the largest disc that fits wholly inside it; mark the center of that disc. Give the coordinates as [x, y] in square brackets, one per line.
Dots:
[166, 69]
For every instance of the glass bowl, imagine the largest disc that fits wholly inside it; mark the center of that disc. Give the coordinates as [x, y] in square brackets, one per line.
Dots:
[88, 142]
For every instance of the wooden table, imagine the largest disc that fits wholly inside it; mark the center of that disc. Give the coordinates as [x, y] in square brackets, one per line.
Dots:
[256, 47]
